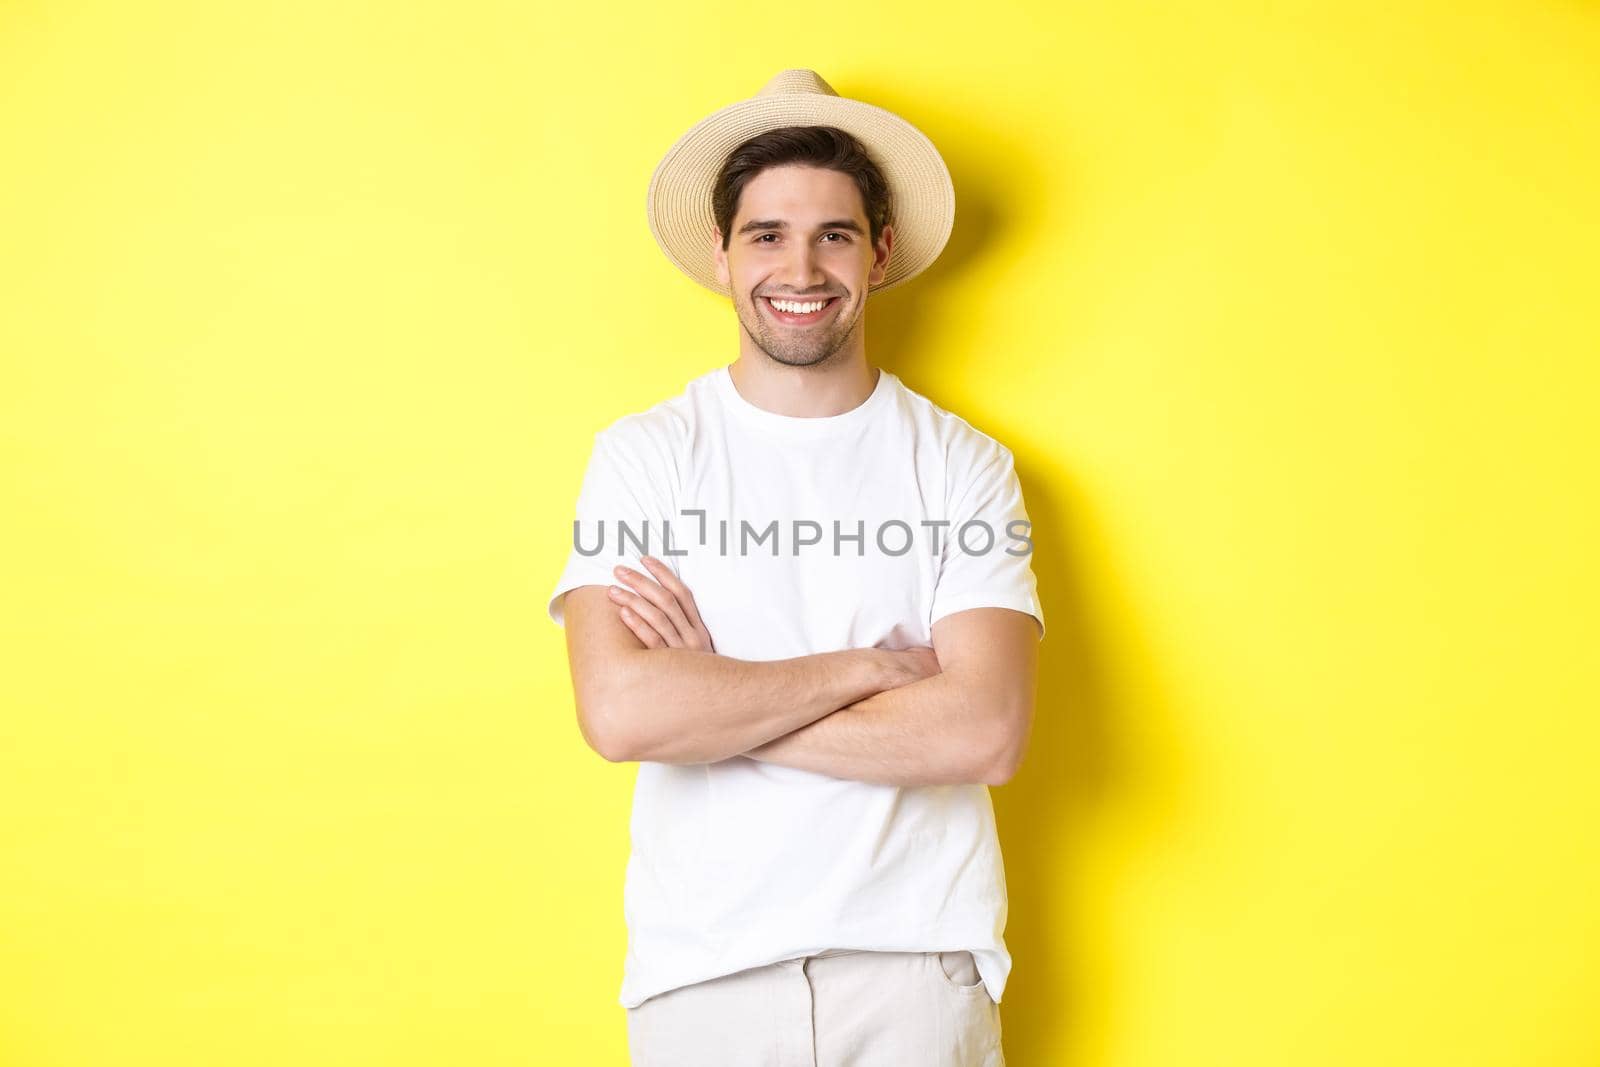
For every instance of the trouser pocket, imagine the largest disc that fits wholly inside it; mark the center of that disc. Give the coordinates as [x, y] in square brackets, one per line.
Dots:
[959, 970]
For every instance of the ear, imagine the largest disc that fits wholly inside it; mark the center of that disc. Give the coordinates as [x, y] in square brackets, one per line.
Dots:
[880, 256]
[720, 258]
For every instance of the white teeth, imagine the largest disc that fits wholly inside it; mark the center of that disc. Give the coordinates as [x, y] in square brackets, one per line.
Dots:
[798, 309]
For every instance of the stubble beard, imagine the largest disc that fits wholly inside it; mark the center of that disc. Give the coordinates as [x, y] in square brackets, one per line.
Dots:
[798, 349]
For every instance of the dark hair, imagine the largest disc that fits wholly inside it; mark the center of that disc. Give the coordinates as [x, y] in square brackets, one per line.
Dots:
[827, 147]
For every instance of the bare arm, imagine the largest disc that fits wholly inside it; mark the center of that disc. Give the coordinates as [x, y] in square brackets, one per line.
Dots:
[969, 723]
[692, 705]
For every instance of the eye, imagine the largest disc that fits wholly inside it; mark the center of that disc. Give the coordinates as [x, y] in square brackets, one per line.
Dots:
[845, 238]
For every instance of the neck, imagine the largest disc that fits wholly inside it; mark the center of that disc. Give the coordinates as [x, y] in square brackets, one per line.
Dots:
[832, 387]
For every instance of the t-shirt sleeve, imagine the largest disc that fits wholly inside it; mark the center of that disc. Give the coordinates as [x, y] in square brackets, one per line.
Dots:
[621, 504]
[987, 552]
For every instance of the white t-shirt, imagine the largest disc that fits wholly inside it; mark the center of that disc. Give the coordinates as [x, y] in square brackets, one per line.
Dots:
[740, 862]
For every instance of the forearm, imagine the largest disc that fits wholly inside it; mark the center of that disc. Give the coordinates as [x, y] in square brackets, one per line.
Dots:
[689, 706]
[926, 733]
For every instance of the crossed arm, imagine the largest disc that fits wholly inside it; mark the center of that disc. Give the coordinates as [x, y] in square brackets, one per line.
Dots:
[649, 686]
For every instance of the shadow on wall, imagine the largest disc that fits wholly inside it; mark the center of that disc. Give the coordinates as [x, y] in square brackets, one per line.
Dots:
[1081, 761]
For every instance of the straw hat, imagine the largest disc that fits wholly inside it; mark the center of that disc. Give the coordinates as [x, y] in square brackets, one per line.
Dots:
[921, 196]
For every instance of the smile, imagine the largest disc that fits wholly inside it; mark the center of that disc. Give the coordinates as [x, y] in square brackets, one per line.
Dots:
[799, 315]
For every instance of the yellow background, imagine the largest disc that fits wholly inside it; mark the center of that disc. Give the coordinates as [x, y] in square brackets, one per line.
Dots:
[310, 309]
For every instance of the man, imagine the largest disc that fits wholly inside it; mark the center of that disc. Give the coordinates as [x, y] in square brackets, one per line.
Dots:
[800, 597]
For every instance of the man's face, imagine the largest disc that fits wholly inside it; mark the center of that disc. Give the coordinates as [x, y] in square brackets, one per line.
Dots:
[800, 234]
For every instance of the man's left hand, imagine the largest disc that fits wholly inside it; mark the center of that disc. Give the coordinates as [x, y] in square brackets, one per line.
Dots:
[661, 611]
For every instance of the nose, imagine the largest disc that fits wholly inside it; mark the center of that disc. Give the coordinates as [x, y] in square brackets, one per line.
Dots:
[801, 269]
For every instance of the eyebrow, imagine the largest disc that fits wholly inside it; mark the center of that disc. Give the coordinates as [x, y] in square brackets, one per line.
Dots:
[778, 224]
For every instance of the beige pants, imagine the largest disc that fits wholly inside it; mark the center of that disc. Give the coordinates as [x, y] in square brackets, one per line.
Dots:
[834, 1009]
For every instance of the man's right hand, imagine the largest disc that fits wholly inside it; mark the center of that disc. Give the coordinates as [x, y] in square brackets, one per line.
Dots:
[907, 665]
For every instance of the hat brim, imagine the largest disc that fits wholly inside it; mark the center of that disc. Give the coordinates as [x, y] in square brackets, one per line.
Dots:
[923, 202]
